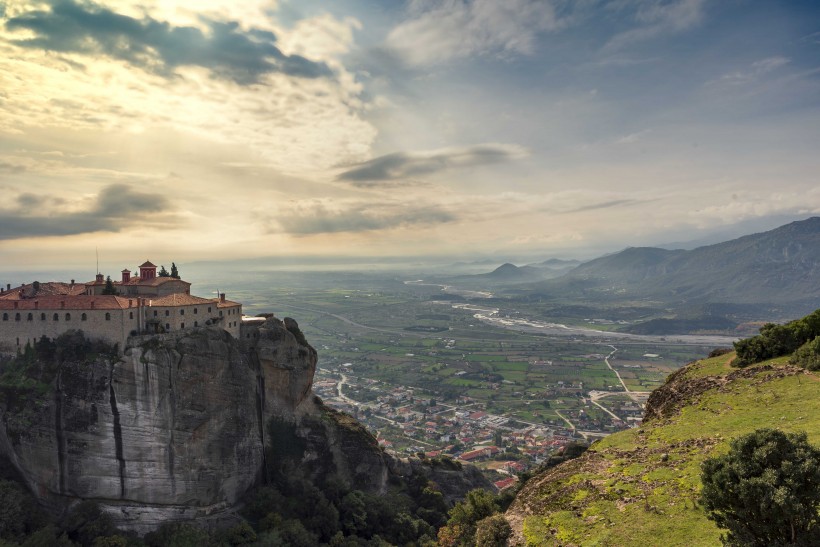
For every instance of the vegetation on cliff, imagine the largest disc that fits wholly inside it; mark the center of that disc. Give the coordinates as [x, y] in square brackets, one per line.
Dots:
[801, 336]
[643, 484]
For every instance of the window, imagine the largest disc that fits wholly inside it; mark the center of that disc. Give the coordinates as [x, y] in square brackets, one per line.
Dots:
[42, 317]
[131, 315]
[196, 323]
[16, 316]
[195, 311]
[107, 316]
[5, 317]
[182, 312]
[209, 309]
[167, 313]
[30, 317]
[83, 317]
[220, 313]
[167, 326]
[56, 317]
[155, 313]
[182, 325]
[68, 317]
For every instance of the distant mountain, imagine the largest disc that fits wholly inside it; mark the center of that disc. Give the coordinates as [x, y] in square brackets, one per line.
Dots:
[781, 265]
[511, 273]
[556, 264]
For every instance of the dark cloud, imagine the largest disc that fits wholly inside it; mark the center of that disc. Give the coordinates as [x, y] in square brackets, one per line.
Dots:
[316, 219]
[117, 206]
[157, 46]
[402, 165]
[11, 168]
[605, 205]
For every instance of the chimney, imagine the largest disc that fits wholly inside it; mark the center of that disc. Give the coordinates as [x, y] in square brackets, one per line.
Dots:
[72, 282]
[130, 303]
[8, 286]
[222, 297]
[100, 278]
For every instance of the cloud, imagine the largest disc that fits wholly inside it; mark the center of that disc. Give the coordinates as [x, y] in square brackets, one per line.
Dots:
[401, 165]
[312, 217]
[442, 30]
[656, 17]
[754, 71]
[225, 49]
[116, 206]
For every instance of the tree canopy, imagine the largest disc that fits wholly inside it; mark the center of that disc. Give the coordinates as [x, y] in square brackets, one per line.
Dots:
[766, 490]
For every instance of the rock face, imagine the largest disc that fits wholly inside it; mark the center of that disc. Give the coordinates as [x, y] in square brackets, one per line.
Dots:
[180, 425]
[172, 429]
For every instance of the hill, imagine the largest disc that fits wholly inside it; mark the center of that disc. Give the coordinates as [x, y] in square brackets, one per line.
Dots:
[641, 486]
[779, 266]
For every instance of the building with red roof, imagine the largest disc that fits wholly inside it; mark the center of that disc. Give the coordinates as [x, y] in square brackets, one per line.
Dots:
[144, 304]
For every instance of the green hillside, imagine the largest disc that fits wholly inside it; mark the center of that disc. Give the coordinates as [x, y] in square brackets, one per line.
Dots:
[641, 486]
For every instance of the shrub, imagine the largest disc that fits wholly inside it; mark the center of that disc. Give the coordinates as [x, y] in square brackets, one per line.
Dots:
[808, 355]
[766, 490]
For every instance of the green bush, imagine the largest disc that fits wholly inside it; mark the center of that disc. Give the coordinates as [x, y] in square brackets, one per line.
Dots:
[765, 491]
[808, 355]
[777, 340]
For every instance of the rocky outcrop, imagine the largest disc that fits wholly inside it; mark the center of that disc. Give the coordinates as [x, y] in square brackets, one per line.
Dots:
[173, 428]
[181, 426]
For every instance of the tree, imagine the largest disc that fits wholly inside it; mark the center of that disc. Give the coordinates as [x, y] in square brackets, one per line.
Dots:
[109, 287]
[163, 272]
[766, 490]
[174, 271]
[492, 532]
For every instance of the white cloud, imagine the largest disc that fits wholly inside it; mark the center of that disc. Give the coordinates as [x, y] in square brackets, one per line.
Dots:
[657, 17]
[442, 30]
[754, 71]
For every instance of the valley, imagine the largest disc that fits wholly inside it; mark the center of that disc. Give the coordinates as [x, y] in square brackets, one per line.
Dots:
[442, 370]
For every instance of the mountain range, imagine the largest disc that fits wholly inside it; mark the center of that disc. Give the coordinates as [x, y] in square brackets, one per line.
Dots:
[774, 274]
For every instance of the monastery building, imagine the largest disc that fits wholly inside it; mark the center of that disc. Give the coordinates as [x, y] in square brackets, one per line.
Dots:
[144, 304]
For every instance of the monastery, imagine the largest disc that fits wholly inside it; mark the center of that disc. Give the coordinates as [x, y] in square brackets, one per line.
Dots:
[144, 304]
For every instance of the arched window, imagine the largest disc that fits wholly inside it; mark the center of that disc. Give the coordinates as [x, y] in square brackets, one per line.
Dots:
[16, 316]
[167, 326]
[30, 317]
[56, 317]
[42, 317]
[107, 316]
[5, 317]
[182, 312]
[195, 311]
[196, 323]
[68, 317]
[167, 313]
[83, 317]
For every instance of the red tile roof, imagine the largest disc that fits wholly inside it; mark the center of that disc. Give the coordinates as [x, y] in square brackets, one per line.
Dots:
[180, 299]
[49, 288]
[148, 265]
[78, 302]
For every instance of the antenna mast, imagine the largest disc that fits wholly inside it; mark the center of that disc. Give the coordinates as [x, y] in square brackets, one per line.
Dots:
[97, 251]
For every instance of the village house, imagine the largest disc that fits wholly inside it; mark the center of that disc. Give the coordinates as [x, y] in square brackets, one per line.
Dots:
[143, 304]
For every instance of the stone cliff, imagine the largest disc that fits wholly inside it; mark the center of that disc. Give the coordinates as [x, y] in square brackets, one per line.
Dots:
[178, 426]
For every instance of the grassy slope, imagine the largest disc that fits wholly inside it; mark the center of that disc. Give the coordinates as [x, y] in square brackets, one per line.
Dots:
[640, 487]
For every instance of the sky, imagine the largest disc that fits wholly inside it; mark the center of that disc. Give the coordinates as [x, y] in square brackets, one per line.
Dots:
[216, 130]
